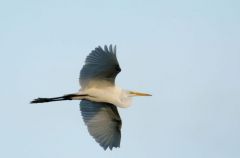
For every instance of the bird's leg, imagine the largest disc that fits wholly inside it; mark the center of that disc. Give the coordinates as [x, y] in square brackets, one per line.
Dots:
[65, 97]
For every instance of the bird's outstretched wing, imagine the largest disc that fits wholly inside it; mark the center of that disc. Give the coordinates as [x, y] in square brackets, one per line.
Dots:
[103, 123]
[101, 65]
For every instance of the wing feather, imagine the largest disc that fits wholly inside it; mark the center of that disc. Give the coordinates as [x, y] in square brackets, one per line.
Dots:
[103, 123]
[100, 65]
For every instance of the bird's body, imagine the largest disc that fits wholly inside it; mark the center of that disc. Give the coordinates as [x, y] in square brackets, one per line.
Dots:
[111, 94]
[100, 96]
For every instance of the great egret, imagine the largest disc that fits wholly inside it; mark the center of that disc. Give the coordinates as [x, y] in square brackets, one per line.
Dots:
[99, 97]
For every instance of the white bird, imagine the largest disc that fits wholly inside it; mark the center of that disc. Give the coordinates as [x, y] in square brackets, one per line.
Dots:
[100, 97]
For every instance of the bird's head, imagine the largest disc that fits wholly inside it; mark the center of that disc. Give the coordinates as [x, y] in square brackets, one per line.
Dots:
[126, 97]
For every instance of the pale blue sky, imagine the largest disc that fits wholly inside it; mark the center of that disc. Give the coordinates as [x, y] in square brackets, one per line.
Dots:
[186, 53]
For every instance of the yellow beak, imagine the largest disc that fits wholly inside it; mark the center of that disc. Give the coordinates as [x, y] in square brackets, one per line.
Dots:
[139, 94]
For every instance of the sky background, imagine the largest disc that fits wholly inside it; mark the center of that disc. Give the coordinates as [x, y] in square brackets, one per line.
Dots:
[186, 53]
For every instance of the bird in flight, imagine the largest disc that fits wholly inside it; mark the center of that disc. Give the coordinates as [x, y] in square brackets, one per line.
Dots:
[100, 97]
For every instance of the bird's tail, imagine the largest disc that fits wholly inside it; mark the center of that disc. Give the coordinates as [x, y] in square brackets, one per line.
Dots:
[65, 97]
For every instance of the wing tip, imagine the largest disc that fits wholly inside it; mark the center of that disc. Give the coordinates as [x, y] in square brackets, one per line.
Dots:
[108, 49]
[109, 147]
